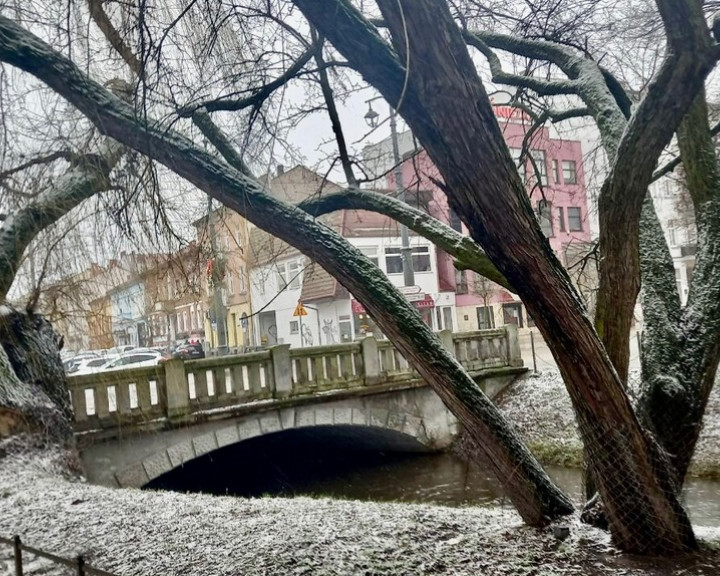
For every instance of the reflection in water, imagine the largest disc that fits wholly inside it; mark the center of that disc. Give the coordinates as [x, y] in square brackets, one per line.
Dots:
[299, 465]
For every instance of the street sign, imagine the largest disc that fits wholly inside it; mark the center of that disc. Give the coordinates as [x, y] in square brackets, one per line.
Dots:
[300, 310]
[415, 297]
[407, 290]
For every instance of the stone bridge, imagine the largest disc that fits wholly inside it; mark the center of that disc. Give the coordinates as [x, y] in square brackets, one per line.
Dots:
[135, 425]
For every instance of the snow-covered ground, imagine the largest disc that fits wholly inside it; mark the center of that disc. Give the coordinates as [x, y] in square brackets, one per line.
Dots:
[163, 533]
[540, 408]
[130, 532]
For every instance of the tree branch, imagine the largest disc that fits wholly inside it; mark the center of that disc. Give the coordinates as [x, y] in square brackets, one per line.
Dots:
[101, 19]
[262, 93]
[79, 183]
[542, 87]
[468, 254]
[45, 159]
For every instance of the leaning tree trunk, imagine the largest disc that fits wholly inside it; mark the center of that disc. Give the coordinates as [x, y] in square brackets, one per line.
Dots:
[445, 104]
[525, 482]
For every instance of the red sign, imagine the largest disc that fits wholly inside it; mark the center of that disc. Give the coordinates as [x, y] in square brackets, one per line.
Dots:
[427, 303]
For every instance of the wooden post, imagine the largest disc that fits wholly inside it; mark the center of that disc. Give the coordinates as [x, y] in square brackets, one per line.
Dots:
[17, 547]
[80, 566]
[532, 347]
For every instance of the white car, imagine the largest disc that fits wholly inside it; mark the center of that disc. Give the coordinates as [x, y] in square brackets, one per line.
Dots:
[133, 359]
[87, 366]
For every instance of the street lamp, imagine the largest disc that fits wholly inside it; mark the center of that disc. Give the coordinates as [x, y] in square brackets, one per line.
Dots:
[371, 117]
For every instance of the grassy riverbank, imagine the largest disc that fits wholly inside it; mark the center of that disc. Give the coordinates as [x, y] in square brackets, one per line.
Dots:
[539, 406]
[132, 532]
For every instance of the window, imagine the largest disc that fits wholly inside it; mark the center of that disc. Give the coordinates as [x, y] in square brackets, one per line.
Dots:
[371, 252]
[393, 261]
[561, 218]
[177, 322]
[672, 232]
[294, 269]
[288, 275]
[171, 291]
[192, 317]
[539, 158]
[574, 216]
[485, 317]
[516, 154]
[444, 318]
[556, 175]
[544, 209]
[243, 280]
[199, 317]
[461, 283]
[569, 173]
[420, 259]
[230, 282]
[455, 222]
[678, 282]
[512, 314]
[185, 321]
[294, 327]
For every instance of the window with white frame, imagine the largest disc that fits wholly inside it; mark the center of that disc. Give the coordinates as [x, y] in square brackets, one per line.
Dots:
[192, 317]
[569, 172]
[294, 327]
[544, 209]
[516, 154]
[230, 282]
[556, 174]
[574, 216]
[540, 165]
[185, 321]
[371, 252]
[420, 259]
[288, 274]
[561, 218]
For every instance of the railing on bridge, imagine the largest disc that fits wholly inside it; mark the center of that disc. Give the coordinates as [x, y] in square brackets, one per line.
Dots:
[176, 388]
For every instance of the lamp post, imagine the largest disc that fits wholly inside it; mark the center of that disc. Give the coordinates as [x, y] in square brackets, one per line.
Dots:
[371, 118]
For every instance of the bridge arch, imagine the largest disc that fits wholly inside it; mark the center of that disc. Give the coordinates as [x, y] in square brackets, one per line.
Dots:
[408, 420]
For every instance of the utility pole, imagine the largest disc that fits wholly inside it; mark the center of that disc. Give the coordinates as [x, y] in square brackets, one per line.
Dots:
[217, 277]
[405, 250]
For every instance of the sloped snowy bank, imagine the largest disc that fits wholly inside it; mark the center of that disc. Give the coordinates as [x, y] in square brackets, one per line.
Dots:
[132, 532]
[540, 408]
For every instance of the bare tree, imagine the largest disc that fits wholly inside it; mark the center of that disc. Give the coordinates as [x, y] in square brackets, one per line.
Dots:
[445, 104]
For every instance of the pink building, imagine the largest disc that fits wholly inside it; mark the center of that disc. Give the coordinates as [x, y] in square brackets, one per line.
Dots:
[556, 183]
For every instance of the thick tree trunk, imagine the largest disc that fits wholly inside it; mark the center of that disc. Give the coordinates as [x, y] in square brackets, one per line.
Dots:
[681, 348]
[527, 485]
[447, 108]
[34, 398]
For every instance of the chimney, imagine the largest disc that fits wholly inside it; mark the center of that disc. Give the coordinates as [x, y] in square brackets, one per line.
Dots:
[280, 170]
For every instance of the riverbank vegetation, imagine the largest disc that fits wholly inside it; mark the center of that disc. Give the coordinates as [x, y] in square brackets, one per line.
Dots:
[539, 407]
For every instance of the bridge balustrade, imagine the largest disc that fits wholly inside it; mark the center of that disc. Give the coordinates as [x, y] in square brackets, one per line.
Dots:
[177, 389]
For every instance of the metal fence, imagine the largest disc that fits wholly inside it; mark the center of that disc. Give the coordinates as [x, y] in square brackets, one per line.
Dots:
[78, 564]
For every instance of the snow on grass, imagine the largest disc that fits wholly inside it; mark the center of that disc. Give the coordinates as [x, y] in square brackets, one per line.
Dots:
[130, 532]
[540, 408]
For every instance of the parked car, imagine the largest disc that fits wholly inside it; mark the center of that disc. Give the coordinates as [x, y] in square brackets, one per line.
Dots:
[185, 351]
[77, 358]
[87, 366]
[133, 360]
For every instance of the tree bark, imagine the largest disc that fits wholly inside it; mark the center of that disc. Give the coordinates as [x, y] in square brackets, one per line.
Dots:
[447, 108]
[527, 485]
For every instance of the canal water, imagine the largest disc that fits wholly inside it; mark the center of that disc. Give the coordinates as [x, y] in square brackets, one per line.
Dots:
[299, 465]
